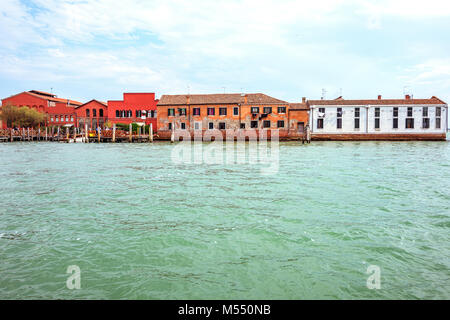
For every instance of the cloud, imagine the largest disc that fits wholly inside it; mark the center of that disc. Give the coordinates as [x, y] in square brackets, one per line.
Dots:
[287, 48]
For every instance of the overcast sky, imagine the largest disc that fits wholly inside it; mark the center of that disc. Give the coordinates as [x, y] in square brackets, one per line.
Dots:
[288, 49]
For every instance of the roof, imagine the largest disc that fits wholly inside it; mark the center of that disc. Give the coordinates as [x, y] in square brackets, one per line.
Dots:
[225, 98]
[43, 93]
[93, 100]
[340, 101]
[298, 106]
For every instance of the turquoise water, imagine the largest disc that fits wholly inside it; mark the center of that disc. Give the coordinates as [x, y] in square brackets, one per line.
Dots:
[141, 227]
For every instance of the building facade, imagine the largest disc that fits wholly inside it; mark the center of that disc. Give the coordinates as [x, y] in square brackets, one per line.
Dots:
[93, 114]
[58, 111]
[135, 107]
[379, 119]
[242, 113]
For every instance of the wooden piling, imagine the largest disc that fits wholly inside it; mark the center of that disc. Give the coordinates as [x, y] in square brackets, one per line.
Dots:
[46, 133]
[99, 134]
[150, 133]
[131, 133]
[172, 136]
[114, 133]
[86, 134]
[11, 132]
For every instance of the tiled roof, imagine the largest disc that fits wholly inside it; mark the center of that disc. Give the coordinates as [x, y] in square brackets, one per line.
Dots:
[55, 99]
[340, 101]
[43, 93]
[226, 98]
[298, 106]
[93, 100]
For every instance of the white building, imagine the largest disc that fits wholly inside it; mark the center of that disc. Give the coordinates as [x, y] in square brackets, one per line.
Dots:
[379, 119]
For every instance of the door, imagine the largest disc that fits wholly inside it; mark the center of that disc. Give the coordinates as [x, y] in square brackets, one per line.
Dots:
[300, 127]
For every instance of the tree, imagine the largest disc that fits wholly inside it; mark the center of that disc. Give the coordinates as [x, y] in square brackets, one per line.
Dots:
[22, 117]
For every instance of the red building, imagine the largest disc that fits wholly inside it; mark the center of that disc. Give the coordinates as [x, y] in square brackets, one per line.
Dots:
[93, 113]
[59, 111]
[135, 107]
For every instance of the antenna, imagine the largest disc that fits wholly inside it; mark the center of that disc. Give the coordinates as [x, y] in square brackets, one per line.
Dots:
[324, 93]
[223, 89]
[189, 90]
[51, 90]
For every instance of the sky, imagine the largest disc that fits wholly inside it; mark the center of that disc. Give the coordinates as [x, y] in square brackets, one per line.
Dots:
[287, 49]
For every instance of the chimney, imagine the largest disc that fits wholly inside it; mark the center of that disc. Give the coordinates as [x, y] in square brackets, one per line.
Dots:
[188, 99]
[379, 97]
[407, 96]
[303, 99]
[245, 99]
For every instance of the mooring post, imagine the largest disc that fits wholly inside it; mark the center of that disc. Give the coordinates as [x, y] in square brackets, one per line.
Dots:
[150, 133]
[86, 133]
[46, 133]
[131, 133]
[172, 136]
[114, 133]
[28, 133]
[11, 132]
[99, 133]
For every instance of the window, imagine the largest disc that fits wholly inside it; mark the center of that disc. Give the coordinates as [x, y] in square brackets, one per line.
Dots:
[170, 126]
[88, 113]
[438, 123]
[211, 111]
[154, 113]
[94, 112]
[255, 109]
[242, 126]
[196, 111]
[425, 123]
[197, 125]
[130, 113]
[267, 110]
[266, 124]
[124, 114]
[409, 123]
[322, 110]
[377, 112]
[395, 120]
[211, 126]
[221, 125]
[222, 111]
[281, 109]
[51, 119]
[254, 124]
[236, 111]
[377, 118]
[171, 112]
[339, 118]
[71, 118]
[137, 113]
[410, 111]
[56, 118]
[280, 124]
[182, 111]
[438, 117]
[183, 125]
[117, 114]
[319, 123]
[377, 123]
[357, 115]
[425, 112]
[395, 123]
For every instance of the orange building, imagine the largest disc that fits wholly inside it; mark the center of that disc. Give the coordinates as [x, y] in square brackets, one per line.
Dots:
[243, 113]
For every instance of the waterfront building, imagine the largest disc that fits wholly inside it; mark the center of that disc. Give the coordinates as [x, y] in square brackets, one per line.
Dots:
[59, 111]
[233, 111]
[379, 119]
[93, 113]
[135, 107]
